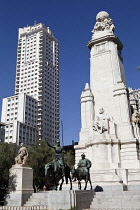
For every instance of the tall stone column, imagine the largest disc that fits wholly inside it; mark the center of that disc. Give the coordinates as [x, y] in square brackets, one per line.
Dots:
[108, 140]
[87, 116]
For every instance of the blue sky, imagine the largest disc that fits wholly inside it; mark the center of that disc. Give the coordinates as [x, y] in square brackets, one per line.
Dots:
[71, 22]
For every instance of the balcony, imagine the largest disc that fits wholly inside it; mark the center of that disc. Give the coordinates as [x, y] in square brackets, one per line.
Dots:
[40, 70]
[40, 104]
[39, 125]
[41, 57]
[40, 110]
[41, 47]
[41, 43]
[40, 74]
[41, 51]
[40, 87]
[41, 66]
[41, 40]
[40, 79]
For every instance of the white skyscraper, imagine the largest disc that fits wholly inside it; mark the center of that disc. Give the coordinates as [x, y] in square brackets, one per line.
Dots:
[37, 75]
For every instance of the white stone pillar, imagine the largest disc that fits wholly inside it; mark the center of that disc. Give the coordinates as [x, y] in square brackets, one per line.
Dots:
[87, 114]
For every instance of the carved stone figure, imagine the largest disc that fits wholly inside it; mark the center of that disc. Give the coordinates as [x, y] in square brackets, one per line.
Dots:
[101, 122]
[103, 22]
[135, 117]
[22, 157]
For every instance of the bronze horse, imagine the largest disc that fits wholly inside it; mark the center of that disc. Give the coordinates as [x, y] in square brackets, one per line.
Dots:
[79, 174]
[55, 176]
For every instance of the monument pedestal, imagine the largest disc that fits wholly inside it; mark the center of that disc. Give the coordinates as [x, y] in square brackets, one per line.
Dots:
[65, 199]
[20, 185]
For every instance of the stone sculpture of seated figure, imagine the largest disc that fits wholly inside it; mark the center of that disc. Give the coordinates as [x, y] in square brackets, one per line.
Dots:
[101, 123]
[136, 117]
[22, 157]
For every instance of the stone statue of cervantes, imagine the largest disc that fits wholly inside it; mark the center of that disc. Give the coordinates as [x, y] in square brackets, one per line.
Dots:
[101, 122]
[22, 157]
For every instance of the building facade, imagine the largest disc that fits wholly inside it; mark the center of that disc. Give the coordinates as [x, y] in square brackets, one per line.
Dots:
[19, 112]
[2, 132]
[37, 75]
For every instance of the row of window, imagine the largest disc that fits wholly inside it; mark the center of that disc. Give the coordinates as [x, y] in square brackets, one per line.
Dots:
[11, 109]
[12, 104]
[15, 118]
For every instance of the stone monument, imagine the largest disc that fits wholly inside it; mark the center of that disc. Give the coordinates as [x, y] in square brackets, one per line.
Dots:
[107, 135]
[21, 180]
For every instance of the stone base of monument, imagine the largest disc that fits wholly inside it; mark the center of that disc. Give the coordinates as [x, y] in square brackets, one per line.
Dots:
[66, 199]
[116, 200]
[108, 180]
[20, 185]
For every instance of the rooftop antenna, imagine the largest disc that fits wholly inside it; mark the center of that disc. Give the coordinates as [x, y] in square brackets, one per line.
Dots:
[34, 22]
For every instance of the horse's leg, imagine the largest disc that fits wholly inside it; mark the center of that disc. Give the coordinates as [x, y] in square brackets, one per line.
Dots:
[55, 183]
[86, 181]
[60, 188]
[90, 182]
[85, 185]
[79, 184]
[70, 182]
[55, 186]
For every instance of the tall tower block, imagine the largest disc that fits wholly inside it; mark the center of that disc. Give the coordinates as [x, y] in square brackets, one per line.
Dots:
[107, 137]
[37, 76]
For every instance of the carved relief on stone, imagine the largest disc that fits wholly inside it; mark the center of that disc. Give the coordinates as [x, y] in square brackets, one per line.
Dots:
[135, 117]
[103, 22]
[101, 123]
[22, 157]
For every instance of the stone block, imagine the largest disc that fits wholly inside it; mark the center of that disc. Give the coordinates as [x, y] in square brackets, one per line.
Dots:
[20, 185]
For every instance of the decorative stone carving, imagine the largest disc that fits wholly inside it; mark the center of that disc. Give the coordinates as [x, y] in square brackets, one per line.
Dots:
[22, 157]
[135, 117]
[103, 22]
[101, 123]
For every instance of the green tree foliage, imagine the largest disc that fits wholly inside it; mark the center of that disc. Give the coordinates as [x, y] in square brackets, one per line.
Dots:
[39, 155]
[7, 157]
[69, 158]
